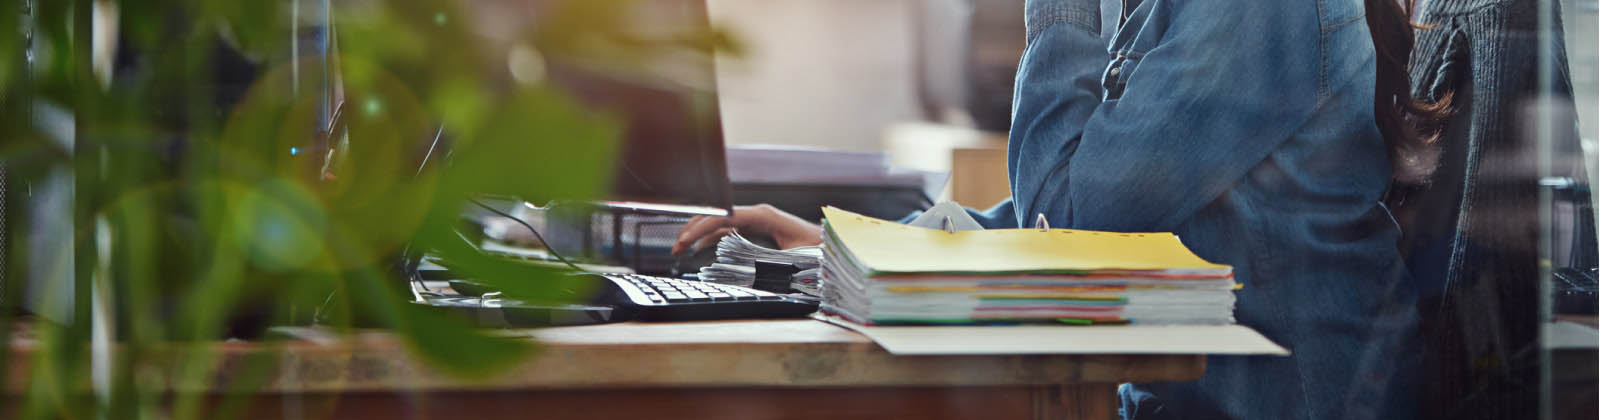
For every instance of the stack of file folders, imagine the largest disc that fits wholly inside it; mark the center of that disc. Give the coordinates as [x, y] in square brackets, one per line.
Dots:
[880, 272]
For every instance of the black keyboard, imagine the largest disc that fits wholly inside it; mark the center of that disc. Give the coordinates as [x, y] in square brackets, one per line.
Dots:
[667, 299]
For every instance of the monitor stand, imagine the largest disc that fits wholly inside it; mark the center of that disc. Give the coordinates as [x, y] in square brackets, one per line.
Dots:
[619, 209]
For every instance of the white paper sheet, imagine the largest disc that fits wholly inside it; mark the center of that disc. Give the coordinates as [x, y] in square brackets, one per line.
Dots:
[933, 217]
[1065, 339]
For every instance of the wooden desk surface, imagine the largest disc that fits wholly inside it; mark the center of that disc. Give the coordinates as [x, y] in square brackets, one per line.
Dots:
[788, 369]
[797, 353]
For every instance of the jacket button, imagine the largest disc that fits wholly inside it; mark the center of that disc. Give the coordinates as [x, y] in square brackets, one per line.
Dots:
[1116, 72]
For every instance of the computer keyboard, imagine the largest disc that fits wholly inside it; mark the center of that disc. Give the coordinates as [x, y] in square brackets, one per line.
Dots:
[666, 299]
[650, 298]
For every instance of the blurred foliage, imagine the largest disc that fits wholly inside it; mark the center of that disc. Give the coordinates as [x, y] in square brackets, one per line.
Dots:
[202, 225]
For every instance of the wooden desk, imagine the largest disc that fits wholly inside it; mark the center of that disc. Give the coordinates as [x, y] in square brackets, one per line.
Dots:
[730, 369]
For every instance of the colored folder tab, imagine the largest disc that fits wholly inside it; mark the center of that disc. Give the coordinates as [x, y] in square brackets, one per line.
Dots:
[886, 248]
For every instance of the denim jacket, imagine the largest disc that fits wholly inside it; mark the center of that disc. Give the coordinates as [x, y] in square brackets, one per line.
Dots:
[1246, 127]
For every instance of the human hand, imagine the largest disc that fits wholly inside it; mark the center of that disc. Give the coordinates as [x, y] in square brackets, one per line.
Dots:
[789, 230]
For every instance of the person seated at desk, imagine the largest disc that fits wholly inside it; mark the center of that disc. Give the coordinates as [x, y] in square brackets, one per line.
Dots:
[1263, 133]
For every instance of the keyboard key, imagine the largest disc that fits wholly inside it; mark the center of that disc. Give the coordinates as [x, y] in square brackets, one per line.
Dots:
[676, 297]
[696, 296]
[739, 296]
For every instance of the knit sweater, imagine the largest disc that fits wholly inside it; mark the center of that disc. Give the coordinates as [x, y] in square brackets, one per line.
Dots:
[1471, 236]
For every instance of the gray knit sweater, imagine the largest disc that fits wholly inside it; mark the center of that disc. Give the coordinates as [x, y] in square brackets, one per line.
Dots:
[1471, 236]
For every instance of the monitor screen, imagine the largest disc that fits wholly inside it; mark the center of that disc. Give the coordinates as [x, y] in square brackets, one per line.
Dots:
[671, 158]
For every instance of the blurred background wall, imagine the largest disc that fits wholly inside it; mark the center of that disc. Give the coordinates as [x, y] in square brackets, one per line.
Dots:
[827, 73]
[839, 73]
[1583, 45]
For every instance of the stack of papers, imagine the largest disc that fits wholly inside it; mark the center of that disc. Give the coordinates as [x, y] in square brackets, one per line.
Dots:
[880, 272]
[736, 263]
[790, 164]
[770, 164]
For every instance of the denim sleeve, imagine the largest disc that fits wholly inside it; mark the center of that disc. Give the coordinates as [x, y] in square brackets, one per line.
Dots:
[1057, 88]
[1205, 92]
[1001, 216]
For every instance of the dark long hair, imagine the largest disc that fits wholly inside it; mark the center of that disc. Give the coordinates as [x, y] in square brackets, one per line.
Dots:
[1410, 126]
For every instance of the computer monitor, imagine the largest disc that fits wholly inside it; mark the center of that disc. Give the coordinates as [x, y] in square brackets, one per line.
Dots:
[671, 160]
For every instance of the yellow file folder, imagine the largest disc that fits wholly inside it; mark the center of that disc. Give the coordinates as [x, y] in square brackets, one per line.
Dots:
[886, 247]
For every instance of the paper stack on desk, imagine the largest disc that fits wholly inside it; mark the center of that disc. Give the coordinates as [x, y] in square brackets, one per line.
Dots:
[880, 272]
[736, 263]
